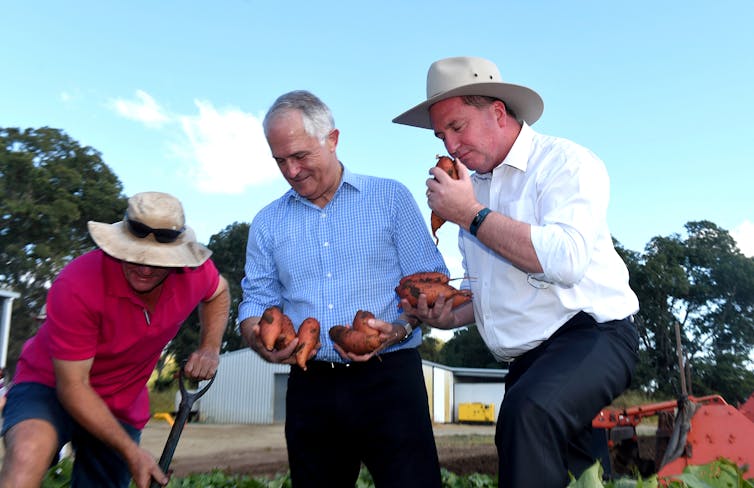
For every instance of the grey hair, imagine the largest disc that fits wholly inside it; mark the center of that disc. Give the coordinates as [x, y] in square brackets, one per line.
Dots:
[481, 101]
[316, 116]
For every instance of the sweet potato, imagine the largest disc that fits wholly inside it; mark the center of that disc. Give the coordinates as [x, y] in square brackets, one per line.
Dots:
[270, 325]
[354, 341]
[449, 166]
[308, 338]
[287, 334]
[425, 277]
[358, 337]
[429, 284]
[360, 323]
[411, 292]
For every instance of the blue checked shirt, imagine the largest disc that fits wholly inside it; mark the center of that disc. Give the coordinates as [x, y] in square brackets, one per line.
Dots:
[330, 262]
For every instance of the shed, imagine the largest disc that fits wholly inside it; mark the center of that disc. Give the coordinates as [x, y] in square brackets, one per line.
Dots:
[248, 390]
[7, 297]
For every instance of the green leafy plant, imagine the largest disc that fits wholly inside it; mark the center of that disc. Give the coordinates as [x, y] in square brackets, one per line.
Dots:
[721, 473]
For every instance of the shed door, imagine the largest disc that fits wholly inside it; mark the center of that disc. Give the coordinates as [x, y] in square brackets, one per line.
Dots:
[281, 388]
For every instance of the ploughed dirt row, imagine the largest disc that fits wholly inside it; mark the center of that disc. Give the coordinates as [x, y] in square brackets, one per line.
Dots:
[259, 450]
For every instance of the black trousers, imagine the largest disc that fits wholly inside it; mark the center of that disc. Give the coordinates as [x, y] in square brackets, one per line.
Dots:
[553, 392]
[375, 412]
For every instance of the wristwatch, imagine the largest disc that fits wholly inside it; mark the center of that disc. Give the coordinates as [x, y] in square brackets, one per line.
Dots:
[407, 326]
[478, 219]
[409, 329]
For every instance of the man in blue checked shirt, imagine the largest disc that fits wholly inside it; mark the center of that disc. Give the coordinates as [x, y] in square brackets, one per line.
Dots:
[335, 243]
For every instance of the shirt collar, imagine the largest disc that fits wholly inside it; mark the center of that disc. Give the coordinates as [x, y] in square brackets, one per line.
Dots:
[115, 281]
[348, 179]
[518, 156]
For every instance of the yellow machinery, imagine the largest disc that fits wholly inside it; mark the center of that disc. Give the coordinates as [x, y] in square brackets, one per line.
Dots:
[476, 412]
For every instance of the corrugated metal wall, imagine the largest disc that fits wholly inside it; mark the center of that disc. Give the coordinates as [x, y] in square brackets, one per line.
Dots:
[243, 391]
[248, 390]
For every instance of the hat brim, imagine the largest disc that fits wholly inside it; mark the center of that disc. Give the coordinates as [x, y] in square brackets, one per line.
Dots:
[118, 242]
[525, 102]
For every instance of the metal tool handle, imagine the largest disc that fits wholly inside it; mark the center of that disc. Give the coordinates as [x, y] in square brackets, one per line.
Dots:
[184, 410]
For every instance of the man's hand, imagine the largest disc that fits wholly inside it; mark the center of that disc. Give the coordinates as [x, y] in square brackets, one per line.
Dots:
[389, 334]
[452, 200]
[250, 332]
[143, 468]
[202, 364]
[441, 315]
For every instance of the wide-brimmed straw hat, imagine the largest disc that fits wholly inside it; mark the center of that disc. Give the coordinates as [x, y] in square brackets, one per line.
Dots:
[153, 232]
[459, 76]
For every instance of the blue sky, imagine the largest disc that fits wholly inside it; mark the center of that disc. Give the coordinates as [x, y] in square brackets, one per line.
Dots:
[172, 93]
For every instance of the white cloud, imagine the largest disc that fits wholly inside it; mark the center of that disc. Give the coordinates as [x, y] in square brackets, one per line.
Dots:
[144, 109]
[744, 236]
[228, 148]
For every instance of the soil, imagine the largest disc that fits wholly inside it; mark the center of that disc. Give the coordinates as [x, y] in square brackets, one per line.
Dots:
[259, 450]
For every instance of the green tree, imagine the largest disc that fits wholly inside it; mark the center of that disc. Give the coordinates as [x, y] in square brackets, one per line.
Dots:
[50, 186]
[431, 347]
[466, 349]
[705, 285]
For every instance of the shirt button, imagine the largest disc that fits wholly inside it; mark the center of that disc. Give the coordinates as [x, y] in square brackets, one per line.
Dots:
[330, 306]
[329, 275]
[326, 244]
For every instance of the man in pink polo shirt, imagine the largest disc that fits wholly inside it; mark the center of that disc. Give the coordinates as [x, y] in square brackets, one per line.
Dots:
[82, 378]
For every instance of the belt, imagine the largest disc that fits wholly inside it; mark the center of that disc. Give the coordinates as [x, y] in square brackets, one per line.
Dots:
[336, 367]
[327, 366]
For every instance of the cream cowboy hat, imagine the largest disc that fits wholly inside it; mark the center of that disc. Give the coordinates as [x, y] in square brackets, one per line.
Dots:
[454, 77]
[153, 232]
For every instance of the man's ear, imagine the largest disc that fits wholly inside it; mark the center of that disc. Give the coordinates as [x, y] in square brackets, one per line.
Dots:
[500, 112]
[332, 139]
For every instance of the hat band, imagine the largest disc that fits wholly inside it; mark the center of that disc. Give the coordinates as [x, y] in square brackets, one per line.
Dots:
[163, 236]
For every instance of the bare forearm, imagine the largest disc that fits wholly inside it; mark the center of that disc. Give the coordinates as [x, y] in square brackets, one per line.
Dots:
[213, 316]
[91, 412]
[510, 239]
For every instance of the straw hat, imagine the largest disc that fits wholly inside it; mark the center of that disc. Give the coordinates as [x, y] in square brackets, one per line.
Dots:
[153, 232]
[455, 77]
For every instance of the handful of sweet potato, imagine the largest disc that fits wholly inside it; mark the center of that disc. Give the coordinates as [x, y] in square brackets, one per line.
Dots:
[357, 338]
[276, 332]
[449, 166]
[432, 284]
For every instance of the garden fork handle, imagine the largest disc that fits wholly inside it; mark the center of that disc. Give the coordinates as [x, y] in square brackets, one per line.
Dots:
[184, 409]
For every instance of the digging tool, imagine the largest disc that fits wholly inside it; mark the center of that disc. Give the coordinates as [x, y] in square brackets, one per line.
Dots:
[184, 409]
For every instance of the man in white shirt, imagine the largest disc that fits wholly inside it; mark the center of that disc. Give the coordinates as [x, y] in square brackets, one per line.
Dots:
[551, 295]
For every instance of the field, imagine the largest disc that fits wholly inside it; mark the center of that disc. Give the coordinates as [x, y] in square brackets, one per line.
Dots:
[259, 450]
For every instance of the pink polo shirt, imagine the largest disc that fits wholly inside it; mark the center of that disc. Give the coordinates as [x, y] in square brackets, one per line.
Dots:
[92, 312]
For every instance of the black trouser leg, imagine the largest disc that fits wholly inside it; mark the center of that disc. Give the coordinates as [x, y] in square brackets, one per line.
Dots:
[552, 394]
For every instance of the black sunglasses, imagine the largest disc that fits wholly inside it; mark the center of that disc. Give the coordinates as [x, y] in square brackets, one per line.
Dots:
[164, 236]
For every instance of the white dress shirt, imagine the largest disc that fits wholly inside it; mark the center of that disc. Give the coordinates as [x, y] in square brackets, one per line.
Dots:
[562, 190]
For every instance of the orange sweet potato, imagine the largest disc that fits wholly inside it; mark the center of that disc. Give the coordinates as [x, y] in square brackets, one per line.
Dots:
[308, 338]
[410, 287]
[354, 341]
[449, 166]
[425, 277]
[360, 323]
[287, 334]
[358, 337]
[270, 327]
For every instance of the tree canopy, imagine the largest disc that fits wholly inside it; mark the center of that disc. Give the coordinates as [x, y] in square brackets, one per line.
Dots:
[703, 284]
[50, 186]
